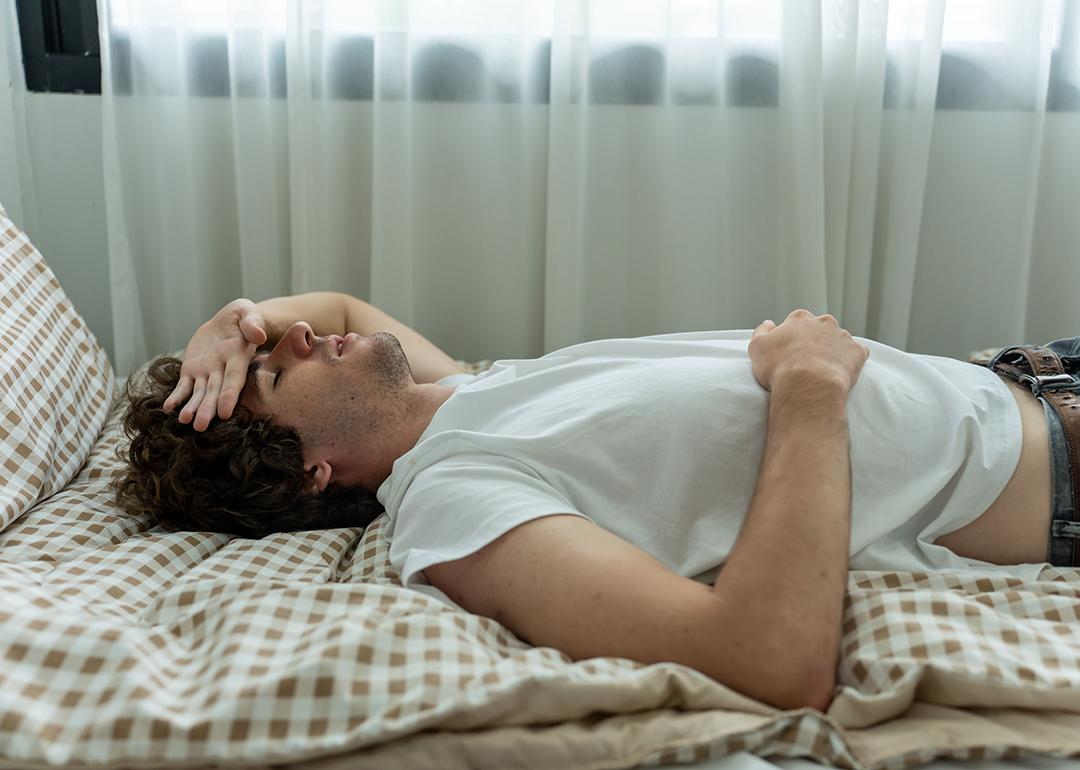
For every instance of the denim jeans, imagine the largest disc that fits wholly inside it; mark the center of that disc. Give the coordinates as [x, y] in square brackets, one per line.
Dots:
[1062, 529]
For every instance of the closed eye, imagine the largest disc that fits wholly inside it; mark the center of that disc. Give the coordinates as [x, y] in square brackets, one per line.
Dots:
[277, 377]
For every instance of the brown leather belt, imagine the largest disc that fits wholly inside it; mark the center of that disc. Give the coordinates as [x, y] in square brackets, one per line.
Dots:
[1048, 377]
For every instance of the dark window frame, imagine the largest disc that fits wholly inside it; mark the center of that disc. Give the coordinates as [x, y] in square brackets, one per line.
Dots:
[60, 47]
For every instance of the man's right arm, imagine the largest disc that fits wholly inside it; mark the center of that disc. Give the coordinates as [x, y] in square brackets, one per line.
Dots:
[770, 625]
[786, 575]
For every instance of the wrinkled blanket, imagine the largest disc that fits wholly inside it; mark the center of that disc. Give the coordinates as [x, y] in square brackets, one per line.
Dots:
[124, 645]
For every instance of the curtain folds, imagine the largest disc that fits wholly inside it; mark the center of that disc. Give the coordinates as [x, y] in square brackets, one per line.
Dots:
[509, 178]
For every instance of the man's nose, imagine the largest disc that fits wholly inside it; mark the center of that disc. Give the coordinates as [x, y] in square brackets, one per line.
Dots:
[298, 340]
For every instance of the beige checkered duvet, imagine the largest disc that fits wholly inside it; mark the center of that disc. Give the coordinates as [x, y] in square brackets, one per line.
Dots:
[55, 379]
[125, 646]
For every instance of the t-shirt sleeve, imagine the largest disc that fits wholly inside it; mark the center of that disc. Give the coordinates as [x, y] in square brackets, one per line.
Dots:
[460, 504]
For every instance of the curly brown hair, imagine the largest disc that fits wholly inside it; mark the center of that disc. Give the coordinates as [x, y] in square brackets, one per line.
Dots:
[242, 476]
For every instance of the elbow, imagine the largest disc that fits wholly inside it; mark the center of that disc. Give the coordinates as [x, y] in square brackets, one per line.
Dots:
[773, 672]
[787, 691]
[800, 699]
[814, 690]
[820, 689]
[820, 700]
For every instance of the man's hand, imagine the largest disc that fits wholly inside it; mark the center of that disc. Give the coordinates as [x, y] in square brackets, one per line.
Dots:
[215, 363]
[806, 345]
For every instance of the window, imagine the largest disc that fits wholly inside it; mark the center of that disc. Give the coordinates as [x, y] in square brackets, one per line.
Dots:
[61, 51]
[60, 45]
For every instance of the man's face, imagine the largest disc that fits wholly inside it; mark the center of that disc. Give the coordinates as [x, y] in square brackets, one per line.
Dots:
[336, 392]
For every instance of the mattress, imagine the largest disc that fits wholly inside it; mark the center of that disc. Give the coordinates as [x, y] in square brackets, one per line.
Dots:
[127, 646]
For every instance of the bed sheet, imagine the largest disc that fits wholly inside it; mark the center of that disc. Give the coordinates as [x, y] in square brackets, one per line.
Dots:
[127, 646]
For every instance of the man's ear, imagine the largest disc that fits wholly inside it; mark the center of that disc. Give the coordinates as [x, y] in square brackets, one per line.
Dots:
[319, 473]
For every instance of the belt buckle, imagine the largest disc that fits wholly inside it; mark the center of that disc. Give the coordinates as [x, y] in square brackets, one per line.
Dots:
[1041, 382]
[1065, 529]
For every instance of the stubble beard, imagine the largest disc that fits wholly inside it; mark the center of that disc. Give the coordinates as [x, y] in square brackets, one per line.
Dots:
[391, 366]
[392, 374]
[384, 410]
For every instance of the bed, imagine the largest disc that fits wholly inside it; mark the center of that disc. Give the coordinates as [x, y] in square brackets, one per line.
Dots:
[127, 646]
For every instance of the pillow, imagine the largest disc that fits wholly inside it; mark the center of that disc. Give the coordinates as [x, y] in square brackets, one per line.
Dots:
[56, 383]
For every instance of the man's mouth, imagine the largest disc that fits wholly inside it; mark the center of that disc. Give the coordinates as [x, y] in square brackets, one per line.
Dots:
[336, 343]
[339, 342]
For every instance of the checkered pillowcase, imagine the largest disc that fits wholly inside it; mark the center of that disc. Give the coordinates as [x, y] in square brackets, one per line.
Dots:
[56, 382]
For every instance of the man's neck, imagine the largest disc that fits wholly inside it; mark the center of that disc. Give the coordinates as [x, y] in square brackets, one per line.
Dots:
[425, 400]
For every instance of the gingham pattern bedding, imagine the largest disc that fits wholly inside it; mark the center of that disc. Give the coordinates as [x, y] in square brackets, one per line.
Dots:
[55, 379]
[127, 646]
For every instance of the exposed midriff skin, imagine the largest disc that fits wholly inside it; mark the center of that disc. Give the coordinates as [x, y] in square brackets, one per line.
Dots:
[1015, 529]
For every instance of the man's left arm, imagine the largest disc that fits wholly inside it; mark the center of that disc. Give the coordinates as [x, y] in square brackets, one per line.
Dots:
[217, 356]
[335, 313]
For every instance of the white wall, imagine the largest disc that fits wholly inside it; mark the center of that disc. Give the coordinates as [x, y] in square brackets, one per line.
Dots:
[69, 196]
[51, 180]
[12, 100]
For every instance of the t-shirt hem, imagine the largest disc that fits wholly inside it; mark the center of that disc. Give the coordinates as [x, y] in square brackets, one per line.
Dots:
[1008, 432]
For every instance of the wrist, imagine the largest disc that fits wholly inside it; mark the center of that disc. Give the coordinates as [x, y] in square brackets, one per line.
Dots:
[818, 382]
[273, 324]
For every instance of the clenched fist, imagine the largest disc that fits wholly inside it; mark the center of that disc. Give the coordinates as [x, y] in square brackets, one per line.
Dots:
[806, 346]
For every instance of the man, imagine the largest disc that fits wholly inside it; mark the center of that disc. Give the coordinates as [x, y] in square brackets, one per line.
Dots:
[579, 498]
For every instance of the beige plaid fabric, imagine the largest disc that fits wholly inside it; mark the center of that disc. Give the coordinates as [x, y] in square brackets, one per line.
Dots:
[127, 646]
[55, 379]
[124, 646]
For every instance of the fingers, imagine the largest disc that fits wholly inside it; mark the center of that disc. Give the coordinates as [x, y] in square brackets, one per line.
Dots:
[253, 327]
[180, 392]
[767, 325]
[209, 396]
[212, 393]
[208, 407]
[804, 313]
[187, 414]
[235, 377]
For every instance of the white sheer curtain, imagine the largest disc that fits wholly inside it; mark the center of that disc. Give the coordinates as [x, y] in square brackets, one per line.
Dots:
[512, 177]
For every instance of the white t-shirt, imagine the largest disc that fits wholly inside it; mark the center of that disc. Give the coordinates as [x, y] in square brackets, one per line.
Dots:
[659, 440]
